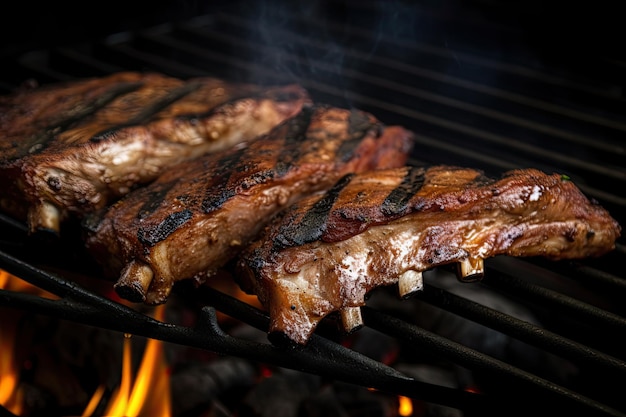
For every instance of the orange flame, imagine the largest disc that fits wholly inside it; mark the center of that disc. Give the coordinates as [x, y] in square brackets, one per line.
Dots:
[149, 395]
[11, 397]
[10, 394]
[13, 283]
[405, 406]
[93, 403]
[4, 278]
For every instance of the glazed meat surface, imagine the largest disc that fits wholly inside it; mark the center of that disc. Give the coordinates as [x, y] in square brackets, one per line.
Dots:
[71, 148]
[327, 251]
[197, 216]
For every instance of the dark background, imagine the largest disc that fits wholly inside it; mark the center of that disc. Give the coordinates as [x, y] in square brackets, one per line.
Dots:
[556, 30]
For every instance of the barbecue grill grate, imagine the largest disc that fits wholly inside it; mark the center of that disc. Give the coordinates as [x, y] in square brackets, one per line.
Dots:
[476, 96]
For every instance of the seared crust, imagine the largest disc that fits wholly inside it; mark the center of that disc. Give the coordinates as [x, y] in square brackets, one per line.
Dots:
[74, 147]
[197, 216]
[325, 252]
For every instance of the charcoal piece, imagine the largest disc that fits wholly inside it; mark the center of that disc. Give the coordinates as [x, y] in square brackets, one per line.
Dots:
[486, 340]
[196, 385]
[323, 404]
[280, 395]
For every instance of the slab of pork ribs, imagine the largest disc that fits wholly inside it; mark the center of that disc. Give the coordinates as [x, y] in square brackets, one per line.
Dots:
[198, 215]
[73, 147]
[327, 251]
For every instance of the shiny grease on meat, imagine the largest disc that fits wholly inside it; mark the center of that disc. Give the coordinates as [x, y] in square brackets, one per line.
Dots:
[72, 148]
[197, 216]
[326, 252]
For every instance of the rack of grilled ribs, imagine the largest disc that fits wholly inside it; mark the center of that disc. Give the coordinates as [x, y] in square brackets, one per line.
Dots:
[327, 251]
[198, 215]
[71, 148]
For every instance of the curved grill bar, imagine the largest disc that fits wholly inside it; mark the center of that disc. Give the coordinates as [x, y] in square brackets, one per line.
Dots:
[525, 331]
[320, 357]
[532, 117]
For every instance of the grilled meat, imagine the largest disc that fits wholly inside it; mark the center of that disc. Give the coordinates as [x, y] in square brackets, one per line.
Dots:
[71, 148]
[197, 216]
[327, 251]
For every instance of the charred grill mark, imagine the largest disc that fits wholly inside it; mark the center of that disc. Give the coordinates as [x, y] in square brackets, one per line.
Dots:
[484, 181]
[106, 134]
[257, 178]
[257, 259]
[359, 126]
[219, 190]
[230, 102]
[152, 236]
[313, 223]
[359, 123]
[92, 221]
[296, 134]
[398, 199]
[149, 111]
[154, 200]
[40, 140]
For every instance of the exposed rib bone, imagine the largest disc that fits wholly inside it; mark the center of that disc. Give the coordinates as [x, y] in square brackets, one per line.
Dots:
[44, 217]
[366, 233]
[351, 318]
[134, 282]
[409, 283]
[471, 269]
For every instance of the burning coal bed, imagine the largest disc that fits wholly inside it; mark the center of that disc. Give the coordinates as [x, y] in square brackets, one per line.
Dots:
[54, 367]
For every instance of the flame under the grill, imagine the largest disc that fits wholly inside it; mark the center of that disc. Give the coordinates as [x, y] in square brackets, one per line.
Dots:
[478, 96]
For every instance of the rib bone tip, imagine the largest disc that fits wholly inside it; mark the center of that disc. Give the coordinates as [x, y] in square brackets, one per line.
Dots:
[471, 269]
[351, 318]
[409, 283]
[134, 282]
[130, 292]
[44, 217]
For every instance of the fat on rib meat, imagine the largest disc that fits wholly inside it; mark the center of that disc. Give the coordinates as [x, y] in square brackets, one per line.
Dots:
[198, 215]
[71, 148]
[326, 252]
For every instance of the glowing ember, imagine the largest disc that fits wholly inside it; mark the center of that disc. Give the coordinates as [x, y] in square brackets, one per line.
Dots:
[405, 406]
[10, 394]
[147, 395]
[12, 283]
[4, 278]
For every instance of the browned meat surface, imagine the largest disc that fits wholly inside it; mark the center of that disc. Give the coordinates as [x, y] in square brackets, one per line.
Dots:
[326, 252]
[197, 216]
[71, 148]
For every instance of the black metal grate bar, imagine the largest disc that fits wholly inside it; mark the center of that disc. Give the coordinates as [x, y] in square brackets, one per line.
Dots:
[476, 100]
[583, 312]
[560, 398]
[145, 50]
[523, 330]
[321, 357]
